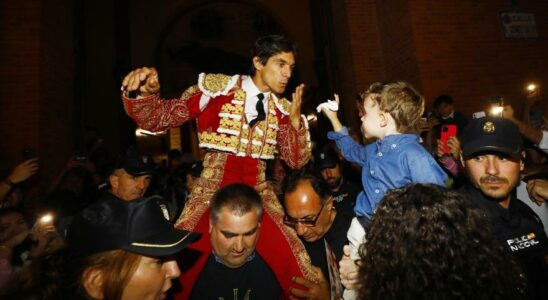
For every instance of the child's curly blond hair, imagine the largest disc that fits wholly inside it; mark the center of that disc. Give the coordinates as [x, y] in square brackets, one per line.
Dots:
[400, 99]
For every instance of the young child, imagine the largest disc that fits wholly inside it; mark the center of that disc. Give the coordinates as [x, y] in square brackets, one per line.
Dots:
[390, 114]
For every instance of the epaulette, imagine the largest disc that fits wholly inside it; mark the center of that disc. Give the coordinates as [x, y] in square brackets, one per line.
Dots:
[283, 105]
[214, 85]
[189, 92]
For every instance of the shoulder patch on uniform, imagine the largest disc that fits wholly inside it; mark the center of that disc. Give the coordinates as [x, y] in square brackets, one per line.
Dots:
[214, 85]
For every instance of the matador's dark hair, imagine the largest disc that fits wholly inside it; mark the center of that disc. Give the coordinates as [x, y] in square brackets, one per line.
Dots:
[267, 46]
[427, 242]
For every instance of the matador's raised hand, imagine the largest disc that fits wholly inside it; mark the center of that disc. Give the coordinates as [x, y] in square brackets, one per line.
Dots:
[144, 80]
[295, 110]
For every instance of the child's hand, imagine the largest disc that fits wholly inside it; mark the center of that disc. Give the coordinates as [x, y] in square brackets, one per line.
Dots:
[326, 108]
[330, 108]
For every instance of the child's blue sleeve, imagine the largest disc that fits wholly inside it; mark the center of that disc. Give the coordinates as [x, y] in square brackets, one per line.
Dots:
[350, 149]
[423, 168]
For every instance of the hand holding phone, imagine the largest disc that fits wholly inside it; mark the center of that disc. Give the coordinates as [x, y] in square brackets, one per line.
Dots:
[447, 131]
[45, 221]
[533, 94]
[24, 170]
[497, 107]
[27, 154]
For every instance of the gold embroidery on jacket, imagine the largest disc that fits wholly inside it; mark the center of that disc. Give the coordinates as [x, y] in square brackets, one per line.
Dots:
[214, 83]
[189, 92]
[232, 134]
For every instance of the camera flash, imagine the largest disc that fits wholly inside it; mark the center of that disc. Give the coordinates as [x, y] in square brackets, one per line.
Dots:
[497, 110]
[46, 218]
[531, 87]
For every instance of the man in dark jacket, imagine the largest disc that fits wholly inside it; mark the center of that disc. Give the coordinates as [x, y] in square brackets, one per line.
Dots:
[492, 155]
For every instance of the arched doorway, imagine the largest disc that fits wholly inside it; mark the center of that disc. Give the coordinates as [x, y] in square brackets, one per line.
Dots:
[210, 37]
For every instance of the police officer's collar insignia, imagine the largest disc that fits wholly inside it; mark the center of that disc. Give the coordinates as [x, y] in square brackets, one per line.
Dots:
[322, 156]
[144, 159]
[489, 127]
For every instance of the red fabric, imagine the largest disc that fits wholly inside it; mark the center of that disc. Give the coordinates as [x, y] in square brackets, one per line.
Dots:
[156, 114]
[240, 170]
[272, 245]
[193, 258]
[208, 120]
[276, 251]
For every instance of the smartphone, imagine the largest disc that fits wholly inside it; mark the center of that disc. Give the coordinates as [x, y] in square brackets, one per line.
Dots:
[497, 107]
[27, 154]
[479, 114]
[447, 131]
[45, 219]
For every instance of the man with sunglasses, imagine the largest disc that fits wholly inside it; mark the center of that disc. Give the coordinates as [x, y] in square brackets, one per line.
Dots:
[310, 212]
[492, 155]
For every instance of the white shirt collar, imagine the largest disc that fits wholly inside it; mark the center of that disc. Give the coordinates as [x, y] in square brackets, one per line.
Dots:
[251, 90]
[451, 115]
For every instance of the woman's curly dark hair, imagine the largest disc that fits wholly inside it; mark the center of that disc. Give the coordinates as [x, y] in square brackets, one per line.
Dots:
[427, 242]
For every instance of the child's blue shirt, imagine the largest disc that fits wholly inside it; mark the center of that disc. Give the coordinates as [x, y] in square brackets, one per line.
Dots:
[390, 163]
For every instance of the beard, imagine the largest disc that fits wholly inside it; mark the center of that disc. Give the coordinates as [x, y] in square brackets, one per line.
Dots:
[495, 192]
[333, 182]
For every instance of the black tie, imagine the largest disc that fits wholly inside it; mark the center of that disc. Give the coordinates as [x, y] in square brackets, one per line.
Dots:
[260, 110]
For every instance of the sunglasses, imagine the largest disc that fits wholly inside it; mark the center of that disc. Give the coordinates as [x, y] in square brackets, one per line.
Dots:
[292, 222]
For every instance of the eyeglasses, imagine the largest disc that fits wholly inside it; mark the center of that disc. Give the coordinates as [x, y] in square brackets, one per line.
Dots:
[292, 222]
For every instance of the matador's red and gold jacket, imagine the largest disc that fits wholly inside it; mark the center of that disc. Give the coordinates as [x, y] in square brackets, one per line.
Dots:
[217, 103]
[236, 153]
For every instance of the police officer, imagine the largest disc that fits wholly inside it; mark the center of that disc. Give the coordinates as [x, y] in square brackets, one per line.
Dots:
[492, 155]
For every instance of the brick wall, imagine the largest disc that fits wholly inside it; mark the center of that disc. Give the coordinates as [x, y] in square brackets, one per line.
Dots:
[453, 47]
[367, 57]
[36, 92]
[462, 51]
[57, 97]
[19, 78]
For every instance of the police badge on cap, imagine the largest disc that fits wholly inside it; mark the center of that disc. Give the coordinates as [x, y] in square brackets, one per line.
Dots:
[491, 134]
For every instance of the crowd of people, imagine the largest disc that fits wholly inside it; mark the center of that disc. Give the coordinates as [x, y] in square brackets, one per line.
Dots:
[264, 216]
